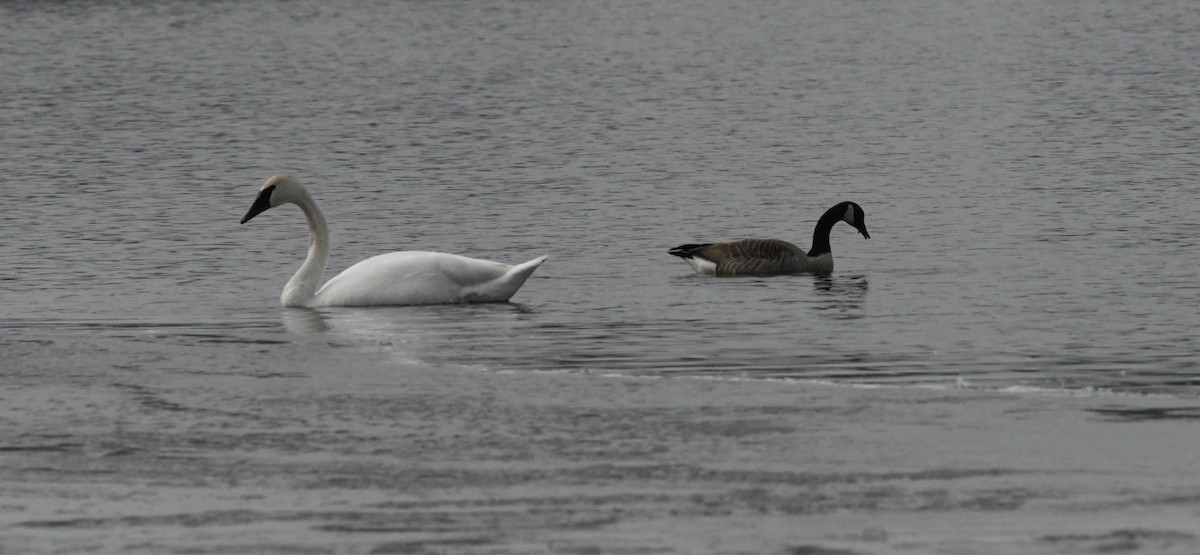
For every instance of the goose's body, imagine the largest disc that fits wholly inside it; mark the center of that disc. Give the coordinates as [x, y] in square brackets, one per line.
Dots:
[768, 257]
[396, 278]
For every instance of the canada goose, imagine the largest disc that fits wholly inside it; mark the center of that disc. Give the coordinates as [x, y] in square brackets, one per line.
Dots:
[396, 278]
[766, 257]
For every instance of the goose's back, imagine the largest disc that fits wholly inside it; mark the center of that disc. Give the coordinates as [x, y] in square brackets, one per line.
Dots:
[755, 257]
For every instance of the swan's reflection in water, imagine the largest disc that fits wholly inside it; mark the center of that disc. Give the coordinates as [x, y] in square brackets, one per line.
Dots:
[751, 326]
[435, 333]
[304, 321]
[392, 319]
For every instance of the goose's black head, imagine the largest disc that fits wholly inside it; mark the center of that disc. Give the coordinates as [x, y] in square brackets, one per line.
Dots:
[854, 216]
[848, 212]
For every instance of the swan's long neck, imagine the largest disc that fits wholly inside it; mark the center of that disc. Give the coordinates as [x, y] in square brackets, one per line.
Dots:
[820, 244]
[301, 288]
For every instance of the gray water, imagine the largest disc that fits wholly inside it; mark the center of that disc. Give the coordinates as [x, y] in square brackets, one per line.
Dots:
[1008, 365]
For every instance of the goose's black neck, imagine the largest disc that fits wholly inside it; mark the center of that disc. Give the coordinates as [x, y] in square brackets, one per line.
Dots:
[820, 244]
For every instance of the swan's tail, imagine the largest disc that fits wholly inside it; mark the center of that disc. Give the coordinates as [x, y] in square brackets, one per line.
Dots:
[515, 277]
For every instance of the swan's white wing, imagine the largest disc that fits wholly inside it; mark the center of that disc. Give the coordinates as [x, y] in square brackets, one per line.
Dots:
[420, 277]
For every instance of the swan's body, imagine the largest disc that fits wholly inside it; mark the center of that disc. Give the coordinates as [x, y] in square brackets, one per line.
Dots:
[397, 278]
[767, 257]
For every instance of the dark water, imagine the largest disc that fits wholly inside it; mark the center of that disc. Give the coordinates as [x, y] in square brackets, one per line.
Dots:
[1028, 173]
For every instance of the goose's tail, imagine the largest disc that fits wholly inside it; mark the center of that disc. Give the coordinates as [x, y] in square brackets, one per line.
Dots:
[689, 250]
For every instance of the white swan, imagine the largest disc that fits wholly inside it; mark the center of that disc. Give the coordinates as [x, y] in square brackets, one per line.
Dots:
[396, 278]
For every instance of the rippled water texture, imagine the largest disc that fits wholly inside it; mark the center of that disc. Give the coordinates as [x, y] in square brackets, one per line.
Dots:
[1028, 172]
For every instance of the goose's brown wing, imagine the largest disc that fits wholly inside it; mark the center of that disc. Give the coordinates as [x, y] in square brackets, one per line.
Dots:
[751, 257]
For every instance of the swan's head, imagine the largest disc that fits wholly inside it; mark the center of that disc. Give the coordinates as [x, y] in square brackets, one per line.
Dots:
[855, 217]
[279, 189]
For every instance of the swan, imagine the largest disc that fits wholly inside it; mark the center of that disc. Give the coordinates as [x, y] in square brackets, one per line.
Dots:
[767, 257]
[395, 278]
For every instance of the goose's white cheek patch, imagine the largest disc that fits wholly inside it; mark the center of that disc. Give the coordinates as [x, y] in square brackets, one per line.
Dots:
[849, 217]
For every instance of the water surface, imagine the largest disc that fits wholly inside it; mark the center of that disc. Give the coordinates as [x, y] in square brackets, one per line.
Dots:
[1027, 171]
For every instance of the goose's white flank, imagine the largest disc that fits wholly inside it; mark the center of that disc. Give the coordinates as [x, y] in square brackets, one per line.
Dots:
[767, 257]
[395, 278]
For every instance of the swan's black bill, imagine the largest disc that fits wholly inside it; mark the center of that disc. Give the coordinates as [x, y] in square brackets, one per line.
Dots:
[261, 204]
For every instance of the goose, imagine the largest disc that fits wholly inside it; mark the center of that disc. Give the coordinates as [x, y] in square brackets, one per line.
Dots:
[395, 278]
[767, 257]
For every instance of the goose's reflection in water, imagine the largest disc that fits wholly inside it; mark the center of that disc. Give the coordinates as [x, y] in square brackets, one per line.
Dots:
[841, 296]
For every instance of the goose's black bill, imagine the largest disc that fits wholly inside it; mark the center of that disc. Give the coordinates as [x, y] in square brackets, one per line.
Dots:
[863, 229]
[261, 204]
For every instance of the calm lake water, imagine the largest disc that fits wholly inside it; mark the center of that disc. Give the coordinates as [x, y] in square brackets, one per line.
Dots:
[1028, 172]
